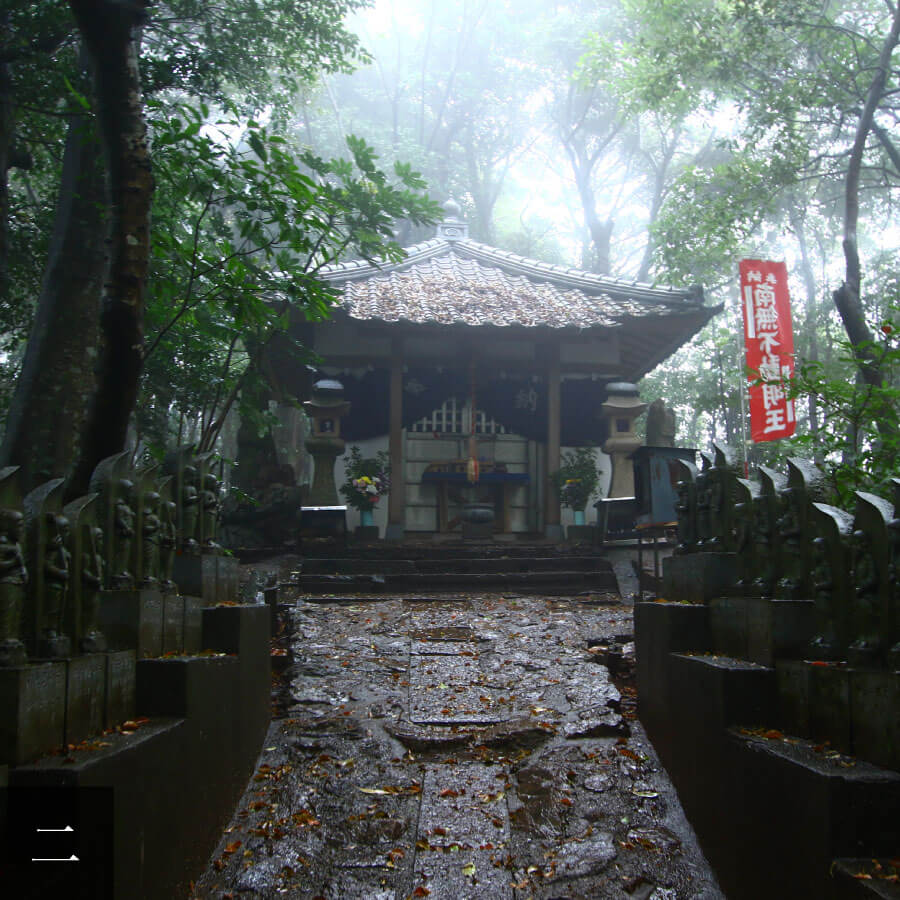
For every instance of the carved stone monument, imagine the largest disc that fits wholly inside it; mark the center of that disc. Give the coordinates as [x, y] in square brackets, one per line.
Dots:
[831, 583]
[765, 537]
[46, 531]
[13, 571]
[805, 484]
[87, 571]
[871, 583]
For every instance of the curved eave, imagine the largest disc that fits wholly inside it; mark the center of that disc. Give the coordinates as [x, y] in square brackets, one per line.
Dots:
[565, 278]
[643, 349]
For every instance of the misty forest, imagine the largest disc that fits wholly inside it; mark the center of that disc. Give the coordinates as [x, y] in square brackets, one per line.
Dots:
[176, 173]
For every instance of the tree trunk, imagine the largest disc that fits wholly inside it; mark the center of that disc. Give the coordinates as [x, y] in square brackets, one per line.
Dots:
[47, 412]
[109, 30]
[847, 297]
[7, 129]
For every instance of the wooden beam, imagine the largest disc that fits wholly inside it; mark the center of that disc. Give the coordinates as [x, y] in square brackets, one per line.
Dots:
[397, 496]
[551, 500]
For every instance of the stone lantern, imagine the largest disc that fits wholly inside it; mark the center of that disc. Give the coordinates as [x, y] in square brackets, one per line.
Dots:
[326, 409]
[621, 408]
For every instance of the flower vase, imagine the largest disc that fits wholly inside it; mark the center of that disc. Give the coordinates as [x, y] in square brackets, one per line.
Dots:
[366, 518]
[579, 516]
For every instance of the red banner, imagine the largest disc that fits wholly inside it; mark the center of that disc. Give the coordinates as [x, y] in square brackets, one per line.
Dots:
[769, 343]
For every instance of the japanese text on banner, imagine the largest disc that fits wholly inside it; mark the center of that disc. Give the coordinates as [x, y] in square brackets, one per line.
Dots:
[769, 347]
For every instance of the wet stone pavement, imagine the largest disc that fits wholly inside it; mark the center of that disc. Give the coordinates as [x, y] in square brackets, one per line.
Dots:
[469, 747]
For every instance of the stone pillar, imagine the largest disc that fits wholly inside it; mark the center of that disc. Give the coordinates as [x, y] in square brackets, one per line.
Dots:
[622, 407]
[397, 497]
[552, 527]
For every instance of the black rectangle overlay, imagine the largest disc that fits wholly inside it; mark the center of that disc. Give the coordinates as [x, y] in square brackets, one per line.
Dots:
[56, 842]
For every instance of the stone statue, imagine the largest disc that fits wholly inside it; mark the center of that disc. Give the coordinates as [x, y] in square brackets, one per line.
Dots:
[92, 640]
[686, 506]
[830, 580]
[660, 424]
[190, 507]
[56, 582]
[13, 578]
[720, 481]
[209, 500]
[765, 515]
[122, 577]
[704, 498]
[745, 494]
[168, 542]
[870, 580]
[805, 484]
[894, 580]
[150, 540]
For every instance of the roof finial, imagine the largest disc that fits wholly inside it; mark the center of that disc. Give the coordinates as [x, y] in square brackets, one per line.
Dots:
[453, 228]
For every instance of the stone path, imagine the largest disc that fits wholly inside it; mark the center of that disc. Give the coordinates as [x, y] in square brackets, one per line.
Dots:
[474, 747]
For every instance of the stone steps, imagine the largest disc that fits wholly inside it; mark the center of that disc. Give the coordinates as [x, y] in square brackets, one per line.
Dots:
[460, 565]
[545, 582]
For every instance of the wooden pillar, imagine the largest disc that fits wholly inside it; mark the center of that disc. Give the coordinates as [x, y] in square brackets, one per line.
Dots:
[551, 500]
[397, 496]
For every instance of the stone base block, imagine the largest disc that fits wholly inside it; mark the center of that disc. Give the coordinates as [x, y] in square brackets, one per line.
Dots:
[585, 534]
[173, 623]
[192, 630]
[875, 716]
[477, 531]
[760, 629]
[120, 679]
[792, 687]
[32, 711]
[661, 629]
[366, 533]
[829, 706]
[210, 576]
[132, 620]
[798, 809]
[698, 577]
[85, 696]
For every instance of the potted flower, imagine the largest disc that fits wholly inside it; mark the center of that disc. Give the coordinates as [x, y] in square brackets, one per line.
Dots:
[367, 481]
[577, 480]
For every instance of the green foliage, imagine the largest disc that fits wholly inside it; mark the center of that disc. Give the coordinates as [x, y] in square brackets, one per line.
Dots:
[577, 479]
[368, 479]
[859, 447]
[242, 225]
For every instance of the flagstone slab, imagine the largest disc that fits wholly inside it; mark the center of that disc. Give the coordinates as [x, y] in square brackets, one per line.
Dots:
[450, 690]
[464, 806]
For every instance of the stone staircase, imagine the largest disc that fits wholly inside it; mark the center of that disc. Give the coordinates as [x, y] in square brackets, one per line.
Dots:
[457, 566]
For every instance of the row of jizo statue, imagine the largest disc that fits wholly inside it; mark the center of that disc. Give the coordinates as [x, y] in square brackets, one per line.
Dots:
[789, 545]
[56, 558]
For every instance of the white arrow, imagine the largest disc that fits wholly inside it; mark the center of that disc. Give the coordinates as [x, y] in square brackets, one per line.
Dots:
[72, 858]
[67, 828]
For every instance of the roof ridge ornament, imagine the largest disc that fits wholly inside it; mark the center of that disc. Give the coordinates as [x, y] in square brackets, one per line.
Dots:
[453, 228]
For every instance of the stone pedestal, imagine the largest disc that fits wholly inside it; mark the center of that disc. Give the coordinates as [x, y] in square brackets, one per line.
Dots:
[120, 679]
[366, 533]
[874, 703]
[210, 576]
[85, 696]
[761, 629]
[132, 620]
[32, 711]
[173, 623]
[192, 630]
[698, 577]
[581, 534]
[829, 706]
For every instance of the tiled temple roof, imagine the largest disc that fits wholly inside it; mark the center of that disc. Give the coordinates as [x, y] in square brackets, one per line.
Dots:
[461, 281]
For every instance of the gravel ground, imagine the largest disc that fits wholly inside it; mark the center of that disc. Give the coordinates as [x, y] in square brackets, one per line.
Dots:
[471, 746]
